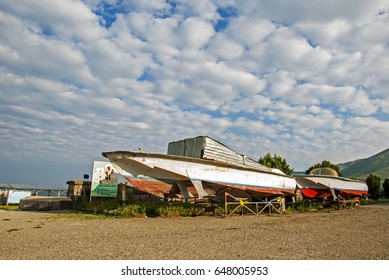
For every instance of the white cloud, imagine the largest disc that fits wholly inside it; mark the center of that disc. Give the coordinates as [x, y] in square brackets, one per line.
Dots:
[33, 54]
[281, 83]
[145, 26]
[224, 48]
[249, 30]
[286, 50]
[252, 104]
[204, 8]
[360, 104]
[195, 33]
[220, 72]
[325, 34]
[67, 20]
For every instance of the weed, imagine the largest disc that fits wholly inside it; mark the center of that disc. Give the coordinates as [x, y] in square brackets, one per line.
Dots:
[12, 229]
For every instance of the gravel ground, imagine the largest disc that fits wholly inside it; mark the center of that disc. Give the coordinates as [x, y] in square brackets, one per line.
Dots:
[349, 234]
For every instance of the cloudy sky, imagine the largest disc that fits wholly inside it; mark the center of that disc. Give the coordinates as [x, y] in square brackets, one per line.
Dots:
[308, 80]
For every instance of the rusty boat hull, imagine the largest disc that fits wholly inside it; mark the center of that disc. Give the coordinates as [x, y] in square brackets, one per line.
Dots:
[166, 175]
[330, 187]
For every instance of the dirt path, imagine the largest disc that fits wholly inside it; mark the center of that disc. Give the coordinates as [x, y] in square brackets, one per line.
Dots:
[347, 234]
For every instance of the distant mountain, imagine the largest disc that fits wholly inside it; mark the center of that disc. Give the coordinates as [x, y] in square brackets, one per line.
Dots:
[362, 168]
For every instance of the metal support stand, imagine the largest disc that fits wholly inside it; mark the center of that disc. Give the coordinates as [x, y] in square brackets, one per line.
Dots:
[260, 206]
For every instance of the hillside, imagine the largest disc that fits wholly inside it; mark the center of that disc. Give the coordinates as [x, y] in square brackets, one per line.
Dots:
[361, 168]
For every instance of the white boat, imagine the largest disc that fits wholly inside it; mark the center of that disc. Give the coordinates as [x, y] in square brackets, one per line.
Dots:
[324, 183]
[189, 177]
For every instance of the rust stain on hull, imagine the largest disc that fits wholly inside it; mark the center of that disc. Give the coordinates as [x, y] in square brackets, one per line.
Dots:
[169, 188]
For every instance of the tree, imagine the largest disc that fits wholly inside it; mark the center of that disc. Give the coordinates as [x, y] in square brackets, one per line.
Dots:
[276, 161]
[373, 183]
[324, 163]
[385, 185]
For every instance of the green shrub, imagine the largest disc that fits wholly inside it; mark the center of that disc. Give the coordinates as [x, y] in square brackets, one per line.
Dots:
[128, 211]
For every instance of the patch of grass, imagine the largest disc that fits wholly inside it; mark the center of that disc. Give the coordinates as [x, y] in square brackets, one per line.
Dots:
[38, 226]
[79, 215]
[6, 219]
[372, 201]
[9, 207]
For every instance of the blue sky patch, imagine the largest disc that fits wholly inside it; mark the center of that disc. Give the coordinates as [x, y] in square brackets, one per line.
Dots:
[108, 13]
[145, 75]
[225, 16]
